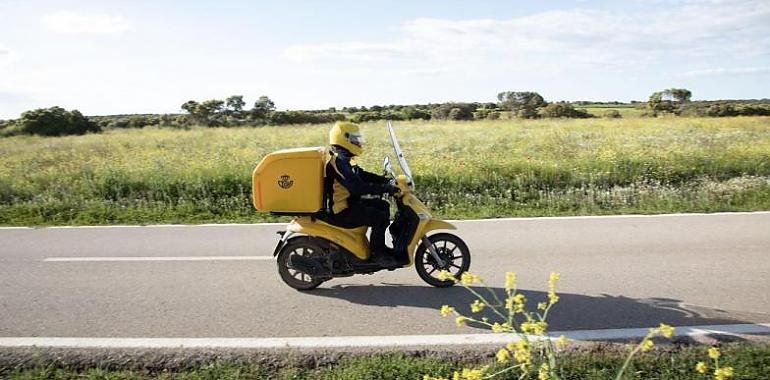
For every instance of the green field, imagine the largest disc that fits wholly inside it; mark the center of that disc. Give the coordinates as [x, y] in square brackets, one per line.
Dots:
[463, 169]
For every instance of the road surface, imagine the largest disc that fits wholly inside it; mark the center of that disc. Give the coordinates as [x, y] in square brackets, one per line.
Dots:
[219, 281]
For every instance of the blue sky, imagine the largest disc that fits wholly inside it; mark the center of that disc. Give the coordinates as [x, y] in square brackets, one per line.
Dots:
[109, 57]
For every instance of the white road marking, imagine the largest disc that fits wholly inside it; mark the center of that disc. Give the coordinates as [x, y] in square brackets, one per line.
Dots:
[449, 220]
[369, 341]
[168, 258]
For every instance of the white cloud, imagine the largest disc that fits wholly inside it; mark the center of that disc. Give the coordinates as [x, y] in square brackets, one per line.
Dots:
[579, 38]
[728, 71]
[70, 22]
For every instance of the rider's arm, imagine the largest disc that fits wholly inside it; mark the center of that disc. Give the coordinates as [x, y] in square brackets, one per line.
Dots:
[354, 183]
[371, 177]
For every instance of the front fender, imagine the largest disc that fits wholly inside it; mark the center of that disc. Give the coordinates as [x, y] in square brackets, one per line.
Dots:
[438, 224]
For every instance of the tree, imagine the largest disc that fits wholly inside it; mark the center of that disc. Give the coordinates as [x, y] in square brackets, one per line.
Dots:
[523, 104]
[671, 100]
[56, 121]
[262, 108]
[234, 105]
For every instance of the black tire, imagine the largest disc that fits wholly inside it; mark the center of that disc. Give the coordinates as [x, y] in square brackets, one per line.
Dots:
[452, 250]
[296, 279]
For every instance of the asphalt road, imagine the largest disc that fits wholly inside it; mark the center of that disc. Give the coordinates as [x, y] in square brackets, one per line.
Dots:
[617, 272]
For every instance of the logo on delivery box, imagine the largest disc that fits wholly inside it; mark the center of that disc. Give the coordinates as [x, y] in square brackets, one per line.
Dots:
[285, 182]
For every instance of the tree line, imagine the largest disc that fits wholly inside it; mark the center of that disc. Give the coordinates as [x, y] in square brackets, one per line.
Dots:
[232, 111]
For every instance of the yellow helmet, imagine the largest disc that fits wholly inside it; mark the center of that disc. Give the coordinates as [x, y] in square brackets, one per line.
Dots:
[348, 136]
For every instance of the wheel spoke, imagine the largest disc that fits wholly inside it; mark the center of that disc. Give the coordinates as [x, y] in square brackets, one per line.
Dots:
[432, 270]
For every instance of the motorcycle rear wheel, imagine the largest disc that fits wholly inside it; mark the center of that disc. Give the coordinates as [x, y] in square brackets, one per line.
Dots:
[451, 249]
[292, 277]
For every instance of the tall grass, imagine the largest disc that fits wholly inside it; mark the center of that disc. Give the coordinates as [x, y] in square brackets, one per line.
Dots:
[463, 169]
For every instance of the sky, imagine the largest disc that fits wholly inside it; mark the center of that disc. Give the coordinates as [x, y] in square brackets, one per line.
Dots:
[121, 57]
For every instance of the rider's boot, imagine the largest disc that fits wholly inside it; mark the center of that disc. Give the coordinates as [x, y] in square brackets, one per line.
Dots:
[384, 259]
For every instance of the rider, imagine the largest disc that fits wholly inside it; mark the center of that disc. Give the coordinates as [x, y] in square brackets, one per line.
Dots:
[344, 185]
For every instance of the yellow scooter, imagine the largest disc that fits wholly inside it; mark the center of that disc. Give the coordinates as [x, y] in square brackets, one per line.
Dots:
[311, 251]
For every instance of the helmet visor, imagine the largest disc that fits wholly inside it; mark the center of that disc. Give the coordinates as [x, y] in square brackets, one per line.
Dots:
[356, 139]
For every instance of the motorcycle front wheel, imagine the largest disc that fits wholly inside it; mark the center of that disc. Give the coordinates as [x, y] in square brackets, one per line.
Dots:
[292, 277]
[452, 250]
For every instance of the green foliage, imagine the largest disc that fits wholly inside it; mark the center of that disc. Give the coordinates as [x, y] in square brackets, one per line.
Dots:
[612, 114]
[564, 110]
[522, 104]
[453, 111]
[303, 117]
[55, 121]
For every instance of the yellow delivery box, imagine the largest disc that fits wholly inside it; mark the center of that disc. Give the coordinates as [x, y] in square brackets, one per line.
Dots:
[290, 181]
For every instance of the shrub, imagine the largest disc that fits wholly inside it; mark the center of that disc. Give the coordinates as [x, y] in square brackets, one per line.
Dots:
[564, 110]
[56, 121]
[612, 114]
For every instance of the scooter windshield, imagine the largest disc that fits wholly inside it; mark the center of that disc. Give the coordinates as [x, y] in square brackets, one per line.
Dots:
[400, 155]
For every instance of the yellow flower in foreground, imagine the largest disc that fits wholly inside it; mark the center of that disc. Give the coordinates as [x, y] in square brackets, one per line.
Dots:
[714, 353]
[537, 328]
[701, 367]
[472, 374]
[723, 373]
[542, 306]
[498, 328]
[561, 342]
[469, 278]
[446, 310]
[664, 329]
[510, 280]
[428, 377]
[460, 321]
[553, 298]
[542, 373]
[555, 276]
[477, 306]
[647, 344]
[445, 275]
[516, 303]
[521, 352]
[503, 355]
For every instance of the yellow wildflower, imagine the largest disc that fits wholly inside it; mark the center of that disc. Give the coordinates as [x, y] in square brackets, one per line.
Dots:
[477, 306]
[542, 373]
[498, 328]
[472, 374]
[456, 376]
[446, 310]
[537, 328]
[542, 305]
[714, 353]
[667, 330]
[553, 298]
[521, 352]
[510, 280]
[510, 346]
[444, 275]
[723, 373]
[555, 276]
[469, 278]
[427, 377]
[701, 367]
[647, 344]
[503, 355]
[460, 321]
[516, 303]
[561, 342]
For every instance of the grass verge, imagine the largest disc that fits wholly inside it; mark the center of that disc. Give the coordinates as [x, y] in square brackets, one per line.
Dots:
[750, 361]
